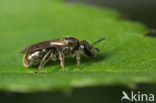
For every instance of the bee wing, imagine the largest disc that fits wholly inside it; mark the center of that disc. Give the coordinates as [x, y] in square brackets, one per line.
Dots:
[44, 45]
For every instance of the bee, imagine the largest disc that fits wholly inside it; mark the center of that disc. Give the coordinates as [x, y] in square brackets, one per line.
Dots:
[40, 53]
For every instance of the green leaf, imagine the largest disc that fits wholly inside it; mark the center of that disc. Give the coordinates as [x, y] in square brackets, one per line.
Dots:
[127, 55]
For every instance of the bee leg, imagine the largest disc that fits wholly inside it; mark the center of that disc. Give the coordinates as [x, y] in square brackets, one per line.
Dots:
[78, 59]
[61, 56]
[44, 60]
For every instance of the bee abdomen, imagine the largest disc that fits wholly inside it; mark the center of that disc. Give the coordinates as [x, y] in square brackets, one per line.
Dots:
[33, 59]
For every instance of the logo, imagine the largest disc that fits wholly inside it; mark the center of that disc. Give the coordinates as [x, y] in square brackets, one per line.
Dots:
[138, 96]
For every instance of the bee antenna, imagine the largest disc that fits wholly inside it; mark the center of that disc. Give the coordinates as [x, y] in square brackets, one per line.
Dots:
[98, 41]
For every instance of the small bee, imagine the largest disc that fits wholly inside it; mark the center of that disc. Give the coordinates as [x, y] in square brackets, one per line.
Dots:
[40, 53]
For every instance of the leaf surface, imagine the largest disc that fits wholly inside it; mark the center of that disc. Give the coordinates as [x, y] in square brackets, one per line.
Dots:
[127, 55]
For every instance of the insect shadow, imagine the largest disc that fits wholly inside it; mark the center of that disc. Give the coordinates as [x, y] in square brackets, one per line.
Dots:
[71, 62]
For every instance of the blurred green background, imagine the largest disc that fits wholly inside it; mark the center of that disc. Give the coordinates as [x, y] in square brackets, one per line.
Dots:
[34, 21]
[104, 94]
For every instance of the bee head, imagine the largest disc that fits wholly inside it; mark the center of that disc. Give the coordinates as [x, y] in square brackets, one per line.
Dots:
[89, 49]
